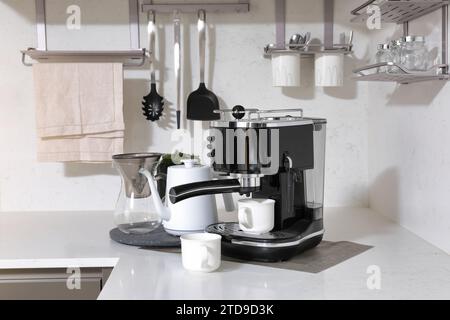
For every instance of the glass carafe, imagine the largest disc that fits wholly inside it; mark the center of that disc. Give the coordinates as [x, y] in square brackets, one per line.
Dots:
[135, 213]
[414, 54]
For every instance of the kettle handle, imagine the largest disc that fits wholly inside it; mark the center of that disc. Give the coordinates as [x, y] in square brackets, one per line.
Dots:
[190, 190]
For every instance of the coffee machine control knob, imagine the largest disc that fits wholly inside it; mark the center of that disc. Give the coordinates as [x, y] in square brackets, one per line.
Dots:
[238, 112]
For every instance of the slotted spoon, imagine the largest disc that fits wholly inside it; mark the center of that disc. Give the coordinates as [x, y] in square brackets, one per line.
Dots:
[153, 103]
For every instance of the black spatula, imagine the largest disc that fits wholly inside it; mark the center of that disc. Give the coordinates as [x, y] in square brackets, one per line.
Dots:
[153, 104]
[202, 102]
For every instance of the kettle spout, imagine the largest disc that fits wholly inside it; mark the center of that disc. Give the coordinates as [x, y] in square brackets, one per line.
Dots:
[162, 210]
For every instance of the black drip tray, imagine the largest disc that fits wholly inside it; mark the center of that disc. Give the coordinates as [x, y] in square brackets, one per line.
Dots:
[231, 230]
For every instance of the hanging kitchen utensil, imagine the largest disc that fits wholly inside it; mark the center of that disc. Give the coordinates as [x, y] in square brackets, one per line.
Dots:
[202, 102]
[177, 64]
[153, 104]
[295, 40]
[350, 41]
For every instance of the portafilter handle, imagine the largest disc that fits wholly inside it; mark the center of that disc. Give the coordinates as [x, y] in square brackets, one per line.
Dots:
[190, 190]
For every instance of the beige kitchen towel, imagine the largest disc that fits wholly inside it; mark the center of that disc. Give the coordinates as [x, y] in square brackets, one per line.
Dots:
[78, 98]
[85, 148]
[79, 111]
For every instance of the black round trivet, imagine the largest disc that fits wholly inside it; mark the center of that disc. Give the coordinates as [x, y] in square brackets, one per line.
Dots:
[158, 238]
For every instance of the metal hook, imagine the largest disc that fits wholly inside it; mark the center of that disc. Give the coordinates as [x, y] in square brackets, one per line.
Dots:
[176, 16]
[202, 14]
[151, 16]
[24, 62]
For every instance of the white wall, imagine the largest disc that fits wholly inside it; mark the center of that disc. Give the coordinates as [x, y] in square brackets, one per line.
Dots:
[409, 156]
[237, 73]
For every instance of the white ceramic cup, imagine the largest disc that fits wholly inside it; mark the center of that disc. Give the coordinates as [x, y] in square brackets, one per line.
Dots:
[256, 215]
[329, 69]
[286, 69]
[201, 252]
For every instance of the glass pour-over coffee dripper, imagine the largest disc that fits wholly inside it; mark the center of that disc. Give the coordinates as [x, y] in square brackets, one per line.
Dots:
[135, 213]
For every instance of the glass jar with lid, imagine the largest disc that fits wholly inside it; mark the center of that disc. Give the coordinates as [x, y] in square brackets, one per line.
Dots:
[414, 54]
[395, 49]
[383, 55]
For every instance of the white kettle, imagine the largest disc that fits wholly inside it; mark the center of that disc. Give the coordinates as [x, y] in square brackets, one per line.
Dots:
[189, 216]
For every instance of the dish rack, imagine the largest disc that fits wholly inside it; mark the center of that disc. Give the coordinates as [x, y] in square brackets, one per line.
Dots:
[402, 12]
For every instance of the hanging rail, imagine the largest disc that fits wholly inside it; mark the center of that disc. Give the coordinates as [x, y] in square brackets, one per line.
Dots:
[239, 7]
[135, 57]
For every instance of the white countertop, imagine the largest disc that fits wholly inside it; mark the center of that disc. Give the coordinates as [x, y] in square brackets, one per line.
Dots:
[410, 267]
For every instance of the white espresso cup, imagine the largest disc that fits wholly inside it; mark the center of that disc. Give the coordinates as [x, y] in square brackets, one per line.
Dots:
[201, 252]
[256, 215]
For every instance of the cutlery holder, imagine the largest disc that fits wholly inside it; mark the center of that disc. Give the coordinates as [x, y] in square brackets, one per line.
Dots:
[286, 69]
[329, 69]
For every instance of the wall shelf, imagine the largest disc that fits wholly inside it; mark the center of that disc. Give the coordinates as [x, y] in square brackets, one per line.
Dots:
[394, 11]
[403, 76]
[402, 12]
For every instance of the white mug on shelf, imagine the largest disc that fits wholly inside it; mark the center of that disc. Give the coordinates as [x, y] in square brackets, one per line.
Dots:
[201, 252]
[329, 69]
[256, 215]
[286, 69]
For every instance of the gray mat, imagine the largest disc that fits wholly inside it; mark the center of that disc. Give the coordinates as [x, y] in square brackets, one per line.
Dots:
[326, 255]
[157, 238]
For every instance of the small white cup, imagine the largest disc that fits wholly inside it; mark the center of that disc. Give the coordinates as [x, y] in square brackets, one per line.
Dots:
[201, 252]
[256, 215]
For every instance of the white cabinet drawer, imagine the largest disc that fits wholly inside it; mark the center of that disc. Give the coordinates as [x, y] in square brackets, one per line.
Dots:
[44, 289]
[45, 284]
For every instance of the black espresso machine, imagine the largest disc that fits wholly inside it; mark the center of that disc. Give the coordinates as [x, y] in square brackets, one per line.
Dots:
[275, 154]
